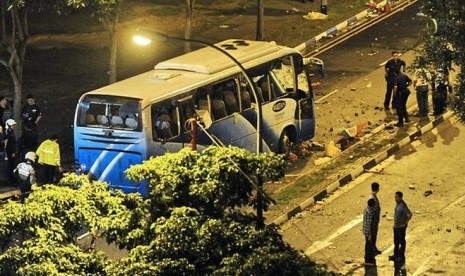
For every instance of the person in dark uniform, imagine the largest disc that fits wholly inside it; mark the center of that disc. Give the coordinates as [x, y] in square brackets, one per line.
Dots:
[441, 86]
[393, 67]
[31, 115]
[401, 92]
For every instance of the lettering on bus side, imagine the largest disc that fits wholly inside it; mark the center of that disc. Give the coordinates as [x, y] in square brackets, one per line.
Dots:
[279, 105]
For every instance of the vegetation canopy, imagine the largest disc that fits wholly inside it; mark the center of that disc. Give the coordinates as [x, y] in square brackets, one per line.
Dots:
[194, 221]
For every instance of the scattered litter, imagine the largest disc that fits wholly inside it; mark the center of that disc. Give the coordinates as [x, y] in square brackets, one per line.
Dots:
[368, 85]
[292, 157]
[225, 26]
[353, 131]
[448, 230]
[411, 187]
[428, 193]
[373, 52]
[331, 150]
[293, 10]
[315, 16]
[321, 161]
[353, 89]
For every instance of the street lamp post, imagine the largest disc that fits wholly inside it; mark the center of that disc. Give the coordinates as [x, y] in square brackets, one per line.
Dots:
[144, 39]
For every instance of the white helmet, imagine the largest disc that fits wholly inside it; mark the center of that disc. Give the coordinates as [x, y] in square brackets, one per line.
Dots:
[9, 123]
[30, 156]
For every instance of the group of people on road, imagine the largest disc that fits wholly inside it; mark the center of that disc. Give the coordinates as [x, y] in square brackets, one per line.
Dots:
[397, 89]
[371, 219]
[23, 172]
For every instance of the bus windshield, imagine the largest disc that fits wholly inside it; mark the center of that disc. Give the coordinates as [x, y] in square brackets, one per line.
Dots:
[109, 112]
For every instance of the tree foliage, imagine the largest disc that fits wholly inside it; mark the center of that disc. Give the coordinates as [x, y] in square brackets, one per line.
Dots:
[446, 49]
[196, 220]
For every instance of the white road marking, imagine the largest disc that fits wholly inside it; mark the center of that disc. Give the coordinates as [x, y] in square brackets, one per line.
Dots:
[326, 96]
[318, 245]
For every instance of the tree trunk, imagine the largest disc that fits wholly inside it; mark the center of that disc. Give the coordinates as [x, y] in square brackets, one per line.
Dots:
[15, 45]
[113, 56]
[188, 29]
[111, 24]
[260, 23]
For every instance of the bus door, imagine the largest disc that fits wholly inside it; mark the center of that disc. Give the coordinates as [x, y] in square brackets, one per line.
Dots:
[306, 111]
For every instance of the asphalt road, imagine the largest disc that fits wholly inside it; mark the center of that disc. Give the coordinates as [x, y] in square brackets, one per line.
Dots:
[364, 52]
[330, 232]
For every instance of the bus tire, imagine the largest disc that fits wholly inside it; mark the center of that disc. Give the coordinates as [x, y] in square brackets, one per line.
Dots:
[285, 143]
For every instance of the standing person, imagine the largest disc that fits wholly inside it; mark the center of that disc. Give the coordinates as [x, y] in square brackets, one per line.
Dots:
[440, 85]
[26, 175]
[367, 229]
[5, 111]
[402, 216]
[31, 114]
[49, 159]
[421, 79]
[401, 84]
[376, 215]
[393, 67]
[11, 147]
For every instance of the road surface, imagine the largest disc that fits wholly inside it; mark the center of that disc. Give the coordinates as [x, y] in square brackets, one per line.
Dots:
[330, 232]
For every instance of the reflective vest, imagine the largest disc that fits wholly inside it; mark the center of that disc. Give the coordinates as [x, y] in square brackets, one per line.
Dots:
[49, 153]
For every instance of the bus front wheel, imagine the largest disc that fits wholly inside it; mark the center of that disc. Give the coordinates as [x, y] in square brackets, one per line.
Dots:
[285, 143]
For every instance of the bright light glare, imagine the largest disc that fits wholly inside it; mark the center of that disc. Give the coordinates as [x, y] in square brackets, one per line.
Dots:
[141, 40]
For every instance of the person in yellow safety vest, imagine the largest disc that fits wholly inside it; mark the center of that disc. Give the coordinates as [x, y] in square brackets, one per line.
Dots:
[49, 159]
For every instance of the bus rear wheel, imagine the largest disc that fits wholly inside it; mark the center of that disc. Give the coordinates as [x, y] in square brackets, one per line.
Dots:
[285, 143]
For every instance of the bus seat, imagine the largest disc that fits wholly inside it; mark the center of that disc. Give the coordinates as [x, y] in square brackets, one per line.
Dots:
[265, 91]
[230, 101]
[245, 99]
[203, 104]
[164, 124]
[103, 120]
[117, 121]
[259, 94]
[218, 109]
[90, 119]
[131, 123]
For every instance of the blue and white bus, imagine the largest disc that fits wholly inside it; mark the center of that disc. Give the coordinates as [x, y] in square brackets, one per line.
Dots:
[147, 115]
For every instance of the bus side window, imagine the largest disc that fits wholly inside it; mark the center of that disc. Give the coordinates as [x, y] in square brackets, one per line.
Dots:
[201, 99]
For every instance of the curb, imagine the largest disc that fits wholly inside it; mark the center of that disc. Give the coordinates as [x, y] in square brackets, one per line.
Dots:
[344, 180]
[307, 44]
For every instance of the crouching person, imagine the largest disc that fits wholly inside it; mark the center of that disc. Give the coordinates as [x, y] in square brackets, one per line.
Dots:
[26, 175]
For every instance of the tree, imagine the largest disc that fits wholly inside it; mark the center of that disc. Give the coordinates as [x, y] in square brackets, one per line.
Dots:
[446, 49]
[260, 20]
[107, 12]
[188, 28]
[196, 220]
[40, 236]
[14, 36]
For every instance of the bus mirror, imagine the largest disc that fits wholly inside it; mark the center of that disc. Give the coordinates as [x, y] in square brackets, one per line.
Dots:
[205, 118]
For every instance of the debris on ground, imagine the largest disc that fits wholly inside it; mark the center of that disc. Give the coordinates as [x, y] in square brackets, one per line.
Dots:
[331, 150]
[315, 16]
[321, 161]
[411, 187]
[354, 131]
[428, 193]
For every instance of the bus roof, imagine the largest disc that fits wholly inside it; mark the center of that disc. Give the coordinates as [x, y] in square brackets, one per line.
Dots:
[194, 69]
